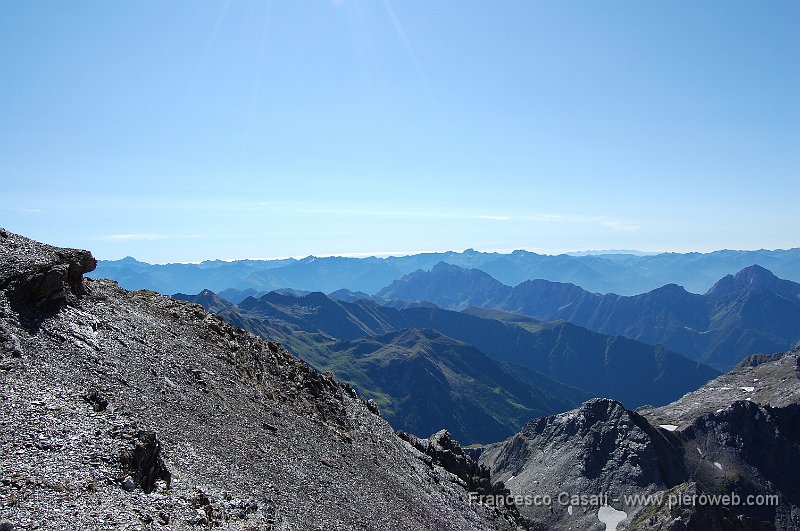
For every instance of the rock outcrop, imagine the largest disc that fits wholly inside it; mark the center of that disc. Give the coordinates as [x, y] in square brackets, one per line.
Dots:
[34, 273]
[130, 410]
[447, 453]
[736, 436]
[600, 450]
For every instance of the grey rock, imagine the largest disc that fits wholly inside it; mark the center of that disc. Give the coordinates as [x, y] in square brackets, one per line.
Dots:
[145, 463]
[96, 400]
[447, 453]
[330, 463]
[128, 484]
[736, 435]
[31, 272]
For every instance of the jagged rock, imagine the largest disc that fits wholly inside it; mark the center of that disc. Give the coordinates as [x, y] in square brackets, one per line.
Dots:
[145, 463]
[31, 272]
[673, 516]
[444, 451]
[96, 400]
[736, 435]
[598, 448]
[448, 454]
[61, 460]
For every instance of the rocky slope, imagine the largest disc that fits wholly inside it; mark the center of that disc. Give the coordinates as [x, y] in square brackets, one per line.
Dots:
[562, 364]
[737, 436]
[129, 410]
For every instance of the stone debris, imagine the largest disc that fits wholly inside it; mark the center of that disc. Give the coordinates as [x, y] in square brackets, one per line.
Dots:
[130, 410]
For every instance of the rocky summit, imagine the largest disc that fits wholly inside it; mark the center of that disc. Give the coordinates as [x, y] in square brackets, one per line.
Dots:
[130, 410]
[726, 456]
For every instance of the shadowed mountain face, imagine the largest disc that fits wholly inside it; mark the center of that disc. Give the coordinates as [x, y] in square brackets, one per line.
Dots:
[124, 410]
[561, 363]
[626, 274]
[448, 286]
[422, 380]
[630, 371]
[425, 380]
[736, 435]
[747, 313]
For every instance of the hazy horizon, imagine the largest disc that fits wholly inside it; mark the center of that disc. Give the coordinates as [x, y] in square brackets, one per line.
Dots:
[389, 254]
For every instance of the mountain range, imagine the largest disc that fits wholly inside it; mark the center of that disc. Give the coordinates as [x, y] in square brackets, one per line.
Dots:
[750, 312]
[505, 366]
[735, 438]
[131, 410]
[134, 410]
[625, 274]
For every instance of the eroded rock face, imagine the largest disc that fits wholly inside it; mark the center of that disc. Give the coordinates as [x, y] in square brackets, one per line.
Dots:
[673, 516]
[249, 437]
[598, 449]
[448, 454]
[144, 462]
[737, 435]
[443, 451]
[32, 273]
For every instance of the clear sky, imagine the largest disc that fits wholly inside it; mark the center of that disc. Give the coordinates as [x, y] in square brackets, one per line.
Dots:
[198, 129]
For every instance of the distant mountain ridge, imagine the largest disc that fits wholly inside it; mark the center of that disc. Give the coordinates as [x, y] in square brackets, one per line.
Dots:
[625, 274]
[750, 312]
[421, 379]
[131, 410]
[436, 381]
[559, 361]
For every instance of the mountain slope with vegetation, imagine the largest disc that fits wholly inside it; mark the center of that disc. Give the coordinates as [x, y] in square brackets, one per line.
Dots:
[131, 410]
[747, 313]
[562, 363]
[424, 381]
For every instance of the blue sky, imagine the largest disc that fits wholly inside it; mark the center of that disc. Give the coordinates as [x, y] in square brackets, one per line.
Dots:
[198, 129]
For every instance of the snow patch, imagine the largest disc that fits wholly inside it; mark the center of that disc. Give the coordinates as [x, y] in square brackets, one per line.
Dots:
[717, 465]
[611, 517]
[669, 427]
[747, 388]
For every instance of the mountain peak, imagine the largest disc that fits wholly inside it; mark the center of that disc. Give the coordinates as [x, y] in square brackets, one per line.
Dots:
[671, 288]
[590, 413]
[755, 274]
[206, 298]
[411, 336]
[444, 266]
[73, 349]
[750, 277]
